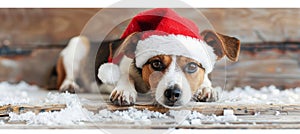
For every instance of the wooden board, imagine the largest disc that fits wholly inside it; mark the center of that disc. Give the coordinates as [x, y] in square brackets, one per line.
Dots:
[29, 28]
[204, 108]
[35, 27]
[270, 43]
[265, 117]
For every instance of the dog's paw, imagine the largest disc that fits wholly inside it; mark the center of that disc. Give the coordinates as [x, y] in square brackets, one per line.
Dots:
[123, 97]
[68, 86]
[206, 94]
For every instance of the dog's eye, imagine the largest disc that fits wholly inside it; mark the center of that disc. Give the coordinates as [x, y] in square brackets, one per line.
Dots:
[157, 65]
[191, 67]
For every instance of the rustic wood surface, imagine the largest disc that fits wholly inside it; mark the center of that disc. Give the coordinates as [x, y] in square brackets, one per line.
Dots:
[42, 27]
[269, 37]
[204, 108]
[55, 26]
[265, 117]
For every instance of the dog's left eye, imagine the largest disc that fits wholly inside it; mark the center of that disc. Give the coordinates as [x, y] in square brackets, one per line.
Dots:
[191, 67]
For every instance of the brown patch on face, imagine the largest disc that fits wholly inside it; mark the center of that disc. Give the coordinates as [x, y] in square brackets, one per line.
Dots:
[150, 75]
[195, 79]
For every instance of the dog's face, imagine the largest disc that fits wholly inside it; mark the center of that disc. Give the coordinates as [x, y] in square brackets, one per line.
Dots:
[174, 78]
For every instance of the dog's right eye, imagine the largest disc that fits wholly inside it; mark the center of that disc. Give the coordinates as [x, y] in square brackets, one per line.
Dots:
[157, 65]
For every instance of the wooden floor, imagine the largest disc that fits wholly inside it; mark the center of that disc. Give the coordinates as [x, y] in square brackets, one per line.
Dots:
[249, 116]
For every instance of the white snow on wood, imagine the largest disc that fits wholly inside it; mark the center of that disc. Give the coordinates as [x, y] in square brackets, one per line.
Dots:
[15, 93]
[265, 95]
[76, 114]
[73, 114]
[228, 112]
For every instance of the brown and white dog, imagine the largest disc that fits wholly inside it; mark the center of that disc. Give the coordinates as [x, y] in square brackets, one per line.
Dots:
[165, 54]
[70, 62]
[173, 67]
[175, 79]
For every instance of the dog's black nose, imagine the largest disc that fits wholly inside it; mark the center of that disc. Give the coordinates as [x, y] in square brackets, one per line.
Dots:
[172, 94]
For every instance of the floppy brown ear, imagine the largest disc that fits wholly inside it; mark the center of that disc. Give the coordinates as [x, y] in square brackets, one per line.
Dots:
[128, 46]
[222, 44]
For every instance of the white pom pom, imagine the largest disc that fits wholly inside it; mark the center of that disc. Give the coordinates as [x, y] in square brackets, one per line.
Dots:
[109, 73]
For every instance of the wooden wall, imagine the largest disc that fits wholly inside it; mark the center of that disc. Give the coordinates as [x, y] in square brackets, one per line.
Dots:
[270, 43]
[41, 32]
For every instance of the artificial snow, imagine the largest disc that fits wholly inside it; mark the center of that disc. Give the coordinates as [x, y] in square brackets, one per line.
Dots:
[2, 122]
[228, 115]
[73, 114]
[76, 114]
[196, 122]
[265, 95]
[15, 93]
[228, 112]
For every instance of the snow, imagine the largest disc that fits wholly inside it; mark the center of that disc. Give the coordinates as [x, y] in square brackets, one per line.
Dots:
[228, 112]
[73, 114]
[15, 93]
[187, 117]
[228, 115]
[129, 115]
[196, 122]
[264, 95]
[76, 114]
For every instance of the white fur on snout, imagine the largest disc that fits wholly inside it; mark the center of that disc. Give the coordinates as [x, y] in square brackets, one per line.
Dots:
[173, 76]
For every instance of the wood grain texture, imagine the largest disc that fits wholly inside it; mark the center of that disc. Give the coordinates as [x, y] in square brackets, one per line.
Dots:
[204, 108]
[263, 60]
[266, 119]
[256, 25]
[56, 26]
[35, 68]
[38, 27]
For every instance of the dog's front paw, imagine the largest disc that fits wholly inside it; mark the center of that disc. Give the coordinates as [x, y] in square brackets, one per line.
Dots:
[68, 86]
[123, 97]
[206, 94]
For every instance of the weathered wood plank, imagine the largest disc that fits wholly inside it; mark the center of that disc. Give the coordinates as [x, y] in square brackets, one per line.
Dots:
[256, 25]
[265, 117]
[55, 26]
[118, 125]
[35, 68]
[207, 109]
[5, 110]
[35, 27]
[217, 109]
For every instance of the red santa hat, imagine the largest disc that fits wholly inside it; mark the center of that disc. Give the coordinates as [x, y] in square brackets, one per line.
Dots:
[167, 33]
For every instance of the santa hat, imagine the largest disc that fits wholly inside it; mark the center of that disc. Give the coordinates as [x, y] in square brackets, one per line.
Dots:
[164, 33]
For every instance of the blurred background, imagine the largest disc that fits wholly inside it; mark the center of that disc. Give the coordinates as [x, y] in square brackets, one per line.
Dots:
[31, 39]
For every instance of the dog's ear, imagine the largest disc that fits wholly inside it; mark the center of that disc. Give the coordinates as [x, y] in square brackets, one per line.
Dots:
[222, 44]
[128, 45]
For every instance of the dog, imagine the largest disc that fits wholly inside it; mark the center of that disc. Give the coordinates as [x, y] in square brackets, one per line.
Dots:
[165, 60]
[72, 67]
[175, 79]
[174, 74]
